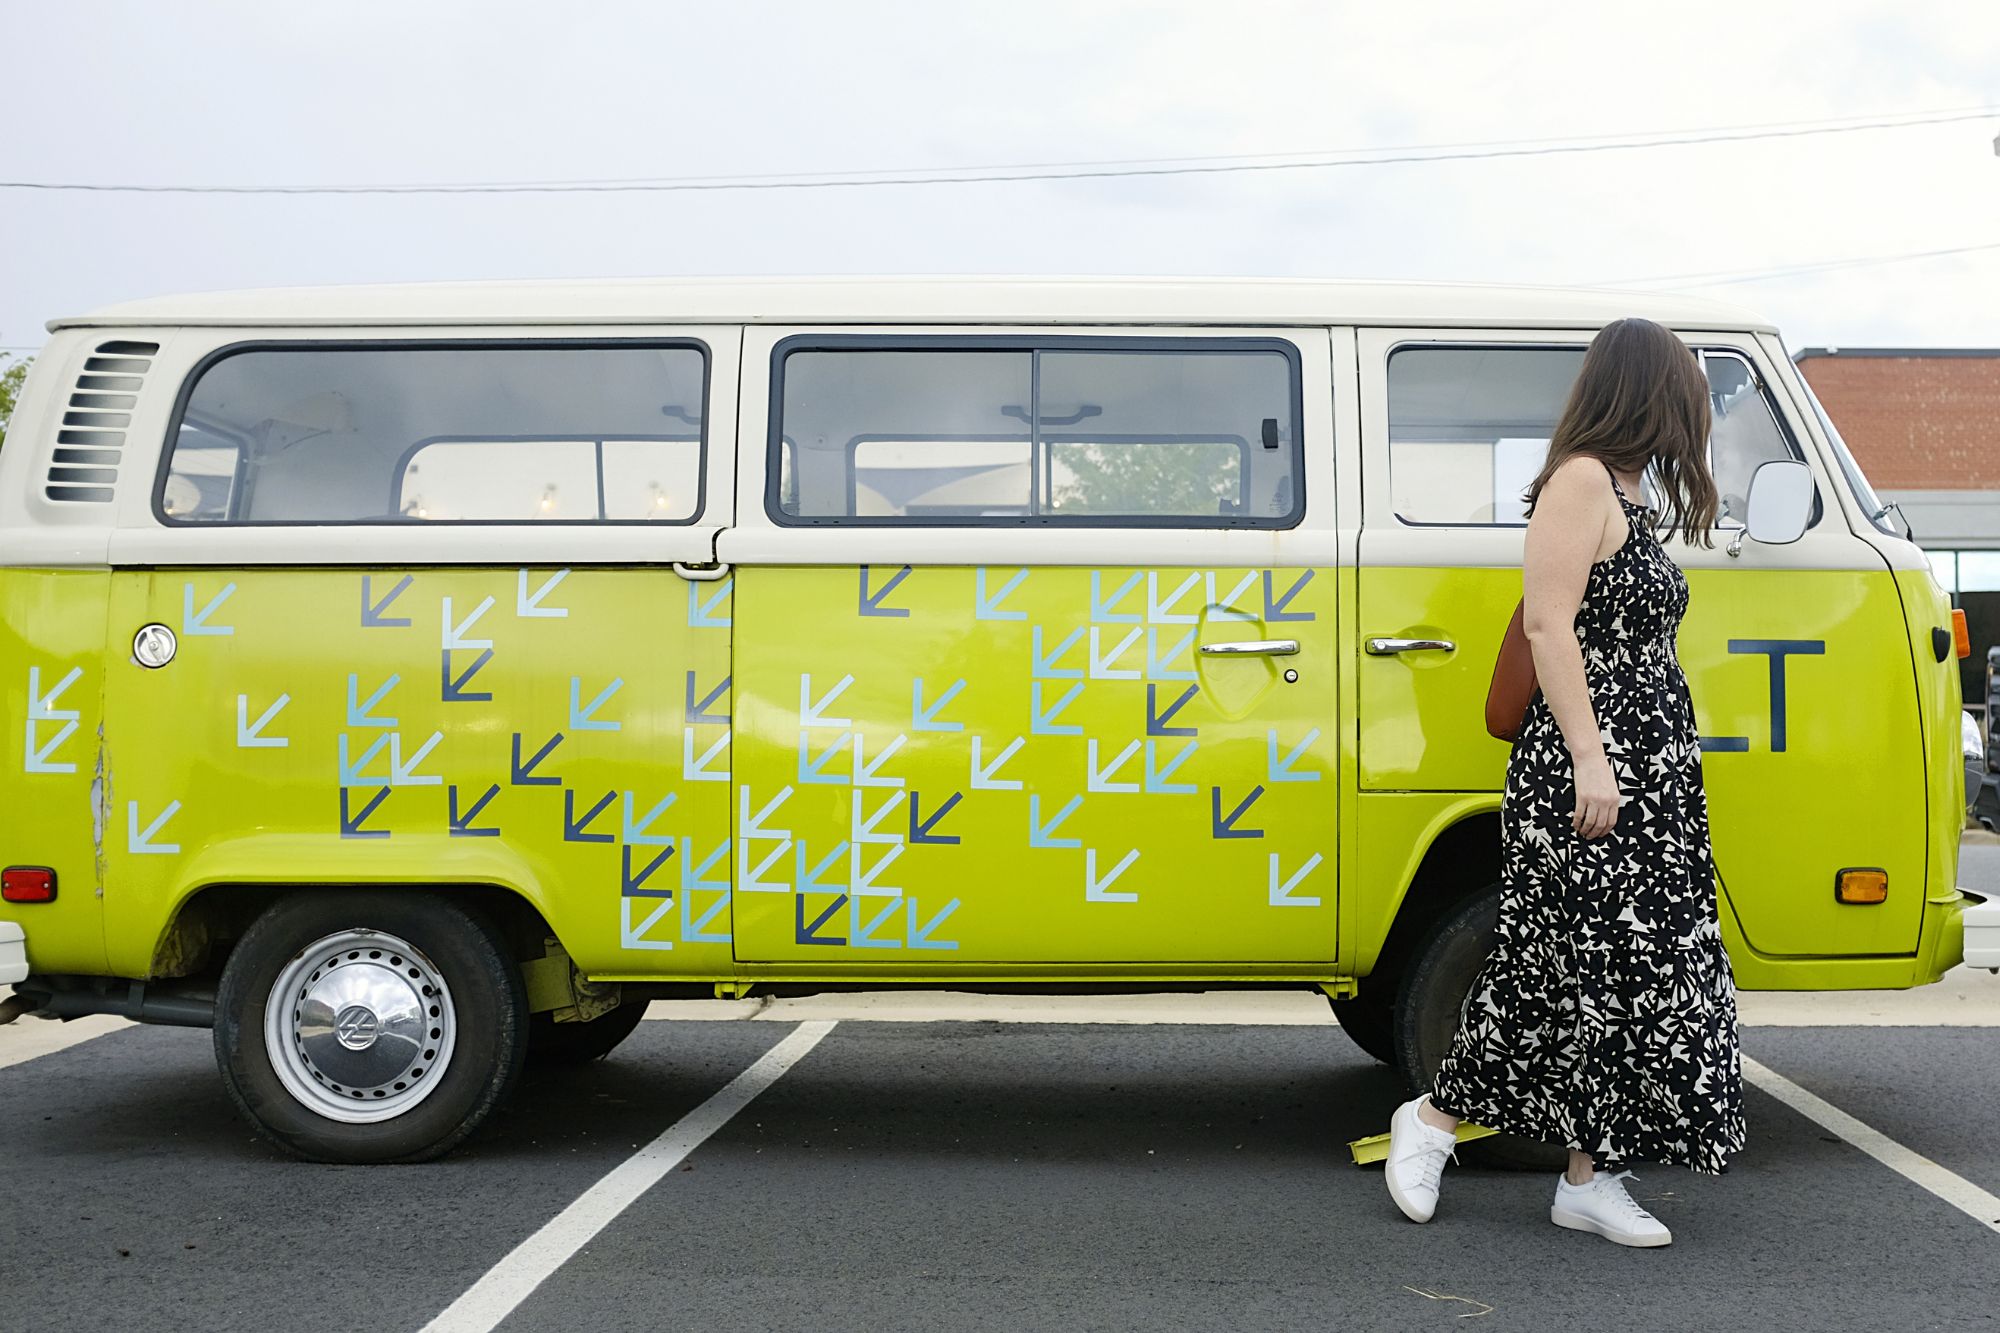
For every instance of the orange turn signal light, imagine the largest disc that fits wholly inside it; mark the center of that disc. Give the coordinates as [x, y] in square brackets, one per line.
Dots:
[1861, 885]
[1961, 638]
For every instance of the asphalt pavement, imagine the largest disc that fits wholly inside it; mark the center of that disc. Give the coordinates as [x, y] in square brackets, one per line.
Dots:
[971, 1174]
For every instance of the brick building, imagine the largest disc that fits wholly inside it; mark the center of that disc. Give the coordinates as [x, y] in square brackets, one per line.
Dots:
[1924, 424]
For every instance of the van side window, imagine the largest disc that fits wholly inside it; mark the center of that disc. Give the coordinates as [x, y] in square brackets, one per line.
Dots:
[1165, 433]
[1469, 428]
[413, 433]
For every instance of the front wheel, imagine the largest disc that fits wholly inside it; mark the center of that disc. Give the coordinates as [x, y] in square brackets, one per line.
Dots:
[1428, 1008]
[368, 1027]
[553, 1045]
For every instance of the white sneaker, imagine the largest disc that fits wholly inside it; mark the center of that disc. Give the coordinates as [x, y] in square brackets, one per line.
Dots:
[1417, 1154]
[1604, 1207]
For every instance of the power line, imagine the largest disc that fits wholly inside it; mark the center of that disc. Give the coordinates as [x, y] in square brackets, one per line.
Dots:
[1731, 277]
[1138, 167]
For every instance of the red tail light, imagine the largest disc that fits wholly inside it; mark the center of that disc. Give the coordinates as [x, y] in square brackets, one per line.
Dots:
[28, 884]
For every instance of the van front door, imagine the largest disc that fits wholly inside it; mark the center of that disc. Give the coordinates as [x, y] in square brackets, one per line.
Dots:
[1034, 653]
[1796, 656]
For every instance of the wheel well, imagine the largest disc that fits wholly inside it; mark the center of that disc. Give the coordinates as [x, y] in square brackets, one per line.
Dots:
[1460, 862]
[209, 921]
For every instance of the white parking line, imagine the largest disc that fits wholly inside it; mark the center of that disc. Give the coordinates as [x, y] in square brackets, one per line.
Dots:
[529, 1264]
[1954, 1189]
[28, 1038]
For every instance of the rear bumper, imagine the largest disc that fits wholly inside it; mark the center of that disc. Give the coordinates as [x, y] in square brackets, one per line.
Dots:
[1982, 933]
[13, 953]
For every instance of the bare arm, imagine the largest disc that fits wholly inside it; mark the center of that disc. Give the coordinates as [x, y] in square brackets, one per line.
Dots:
[1573, 519]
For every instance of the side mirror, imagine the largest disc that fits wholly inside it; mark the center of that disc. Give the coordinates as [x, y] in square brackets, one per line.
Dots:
[1779, 503]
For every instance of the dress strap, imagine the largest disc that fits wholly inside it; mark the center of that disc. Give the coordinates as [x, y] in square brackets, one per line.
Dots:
[1614, 480]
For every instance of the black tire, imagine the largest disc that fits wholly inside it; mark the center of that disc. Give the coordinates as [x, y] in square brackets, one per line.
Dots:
[1368, 1018]
[487, 1008]
[1428, 1009]
[553, 1045]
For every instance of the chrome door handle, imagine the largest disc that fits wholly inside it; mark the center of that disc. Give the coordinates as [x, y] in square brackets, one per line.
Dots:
[1385, 647]
[1253, 648]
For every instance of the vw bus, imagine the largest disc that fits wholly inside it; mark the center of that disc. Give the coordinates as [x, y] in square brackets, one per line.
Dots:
[408, 683]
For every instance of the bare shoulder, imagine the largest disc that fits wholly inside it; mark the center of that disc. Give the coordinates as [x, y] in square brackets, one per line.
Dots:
[1580, 480]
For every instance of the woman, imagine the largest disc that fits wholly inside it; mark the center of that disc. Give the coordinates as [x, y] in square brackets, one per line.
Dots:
[1605, 1018]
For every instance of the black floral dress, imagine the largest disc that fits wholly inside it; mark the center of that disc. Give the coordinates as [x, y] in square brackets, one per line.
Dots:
[1605, 1018]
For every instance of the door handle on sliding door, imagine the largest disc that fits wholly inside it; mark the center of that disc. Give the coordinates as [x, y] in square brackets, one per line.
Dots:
[1253, 648]
[1385, 647]
[701, 573]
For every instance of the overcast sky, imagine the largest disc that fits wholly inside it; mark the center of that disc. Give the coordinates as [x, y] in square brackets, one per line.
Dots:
[270, 92]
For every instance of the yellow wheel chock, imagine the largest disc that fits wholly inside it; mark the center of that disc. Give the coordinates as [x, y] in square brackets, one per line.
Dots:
[1375, 1147]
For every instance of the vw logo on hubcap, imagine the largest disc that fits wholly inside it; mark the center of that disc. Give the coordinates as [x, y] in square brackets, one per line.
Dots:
[356, 1027]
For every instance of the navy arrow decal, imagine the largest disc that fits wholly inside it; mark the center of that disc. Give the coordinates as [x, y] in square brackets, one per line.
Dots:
[1156, 721]
[573, 828]
[461, 824]
[523, 774]
[454, 691]
[920, 829]
[804, 933]
[350, 824]
[371, 610]
[1222, 826]
[1275, 611]
[871, 602]
[633, 885]
[698, 712]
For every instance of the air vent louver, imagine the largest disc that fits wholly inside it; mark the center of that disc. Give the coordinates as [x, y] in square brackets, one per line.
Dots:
[92, 438]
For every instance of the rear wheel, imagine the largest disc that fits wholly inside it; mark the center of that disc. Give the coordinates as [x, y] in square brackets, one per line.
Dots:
[369, 1027]
[553, 1045]
[1427, 1014]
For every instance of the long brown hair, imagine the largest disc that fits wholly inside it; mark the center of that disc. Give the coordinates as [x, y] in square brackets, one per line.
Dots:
[1641, 399]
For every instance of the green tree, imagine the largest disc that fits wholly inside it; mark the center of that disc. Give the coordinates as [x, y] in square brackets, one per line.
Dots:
[1164, 477]
[10, 389]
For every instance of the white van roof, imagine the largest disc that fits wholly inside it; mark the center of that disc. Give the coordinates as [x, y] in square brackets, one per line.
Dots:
[937, 300]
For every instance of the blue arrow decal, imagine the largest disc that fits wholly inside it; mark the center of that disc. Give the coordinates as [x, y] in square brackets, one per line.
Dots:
[1156, 721]
[522, 775]
[698, 713]
[1224, 826]
[871, 602]
[920, 828]
[806, 934]
[919, 937]
[1043, 835]
[862, 829]
[863, 881]
[461, 823]
[701, 610]
[582, 716]
[1045, 667]
[982, 774]
[809, 875]
[811, 710]
[141, 843]
[1281, 893]
[813, 770]
[1225, 608]
[988, 608]
[529, 605]
[926, 719]
[455, 631]
[1100, 663]
[1156, 661]
[861, 935]
[1163, 613]
[635, 829]
[42, 708]
[1042, 721]
[634, 885]
[632, 935]
[453, 691]
[1100, 778]
[362, 714]
[573, 828]
[1099, 890]
[350, 773]
[865, 771]
[1156, 778]
[695, 767]
[371, 610]
[1274, 611]
[350, 824]
[196, 622]
[250, 735]
[1280, 770]
[1101, 606]
[404, 774]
